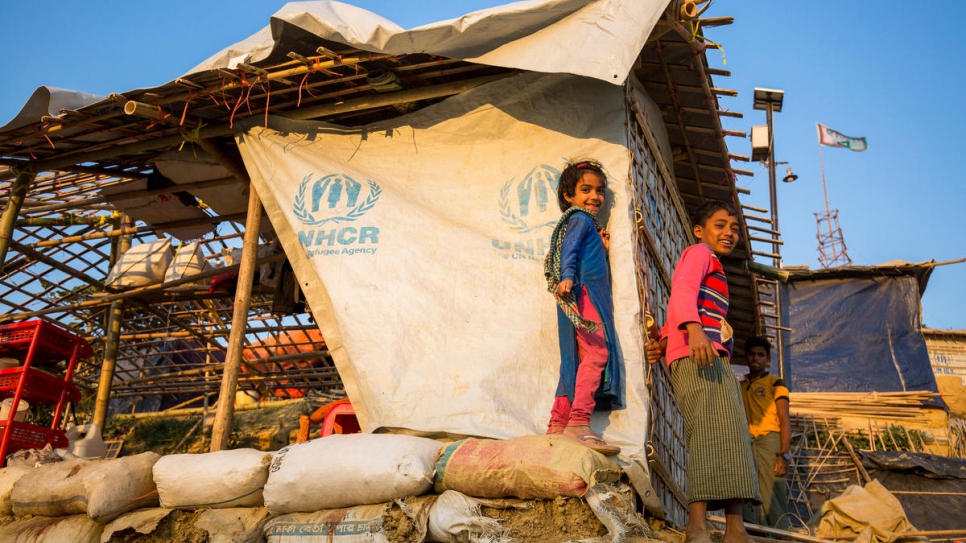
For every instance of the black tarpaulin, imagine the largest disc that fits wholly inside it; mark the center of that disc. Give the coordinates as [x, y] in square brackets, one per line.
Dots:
[855, 334]
[931, 489]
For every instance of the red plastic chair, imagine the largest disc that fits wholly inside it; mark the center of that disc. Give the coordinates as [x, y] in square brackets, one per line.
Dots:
[341, 419]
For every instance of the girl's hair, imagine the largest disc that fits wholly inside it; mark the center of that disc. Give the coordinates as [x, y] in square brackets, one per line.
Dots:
[709, 208]
[571, 175]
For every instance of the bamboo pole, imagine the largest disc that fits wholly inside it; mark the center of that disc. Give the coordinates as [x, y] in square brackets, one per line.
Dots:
[208, 183]
[137, 230]
[18, 193]
[200, 410]
[229, 378]
[775, 531]
[106, 300]
[115, 315]
[858, 463]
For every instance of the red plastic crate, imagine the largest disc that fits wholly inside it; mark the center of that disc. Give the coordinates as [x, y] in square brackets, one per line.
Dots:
[28, 436]
[55, 342]
[40, 388]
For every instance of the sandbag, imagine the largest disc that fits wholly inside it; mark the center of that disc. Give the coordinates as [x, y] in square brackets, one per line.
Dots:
[529, 467]
[219, 479]
[103, 489]
[340, 471]
[402, 521]
[142, 521]
[75, 529]
[188, 260]
[234, 525]
[456, 518]
[141, 265]
[8, 477]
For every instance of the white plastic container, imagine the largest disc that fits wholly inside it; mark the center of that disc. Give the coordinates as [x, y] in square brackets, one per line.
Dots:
[86, 441]
[7, 404]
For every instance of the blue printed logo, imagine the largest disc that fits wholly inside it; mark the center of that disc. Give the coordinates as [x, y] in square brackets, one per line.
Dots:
[534, 200]
[333, 198]
[527, 207]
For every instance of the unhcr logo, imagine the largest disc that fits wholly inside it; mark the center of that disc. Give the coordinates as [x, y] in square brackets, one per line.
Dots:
[326, 198]
[527, 207]
[330, 200]
[534, 204]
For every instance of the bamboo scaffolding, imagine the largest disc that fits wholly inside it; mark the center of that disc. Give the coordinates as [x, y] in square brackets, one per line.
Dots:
[229, 379]
[106, 300]
[201, 410]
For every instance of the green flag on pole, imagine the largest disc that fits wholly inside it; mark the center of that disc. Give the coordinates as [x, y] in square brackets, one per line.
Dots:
[827, 136]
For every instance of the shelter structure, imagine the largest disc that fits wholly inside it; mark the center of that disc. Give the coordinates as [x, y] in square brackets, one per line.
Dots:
[423, 269]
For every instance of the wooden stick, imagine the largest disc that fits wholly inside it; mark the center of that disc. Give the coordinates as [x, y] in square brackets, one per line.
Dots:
[858, 463]
[186, 436]
[774, 531]
[137, 230]
[199, 410]
[120, 197]
[246, 274]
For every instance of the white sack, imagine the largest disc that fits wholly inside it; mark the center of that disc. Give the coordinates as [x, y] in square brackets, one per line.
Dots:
[427, 280]
[142, 521]
[141, 265]
[189, 260]
[219, 479]
[352, 469]
[103, 489]
[456, 518]
[8, 477]
[360, 524]
[72, 529]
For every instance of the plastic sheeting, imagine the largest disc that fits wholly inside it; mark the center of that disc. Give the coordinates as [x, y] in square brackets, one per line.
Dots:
[595, 38]
[424, 269]
[931, 488]
[855, 335]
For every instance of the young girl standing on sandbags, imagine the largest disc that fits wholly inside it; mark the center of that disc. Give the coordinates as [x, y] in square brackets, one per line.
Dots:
[698, 345]
[578, 276]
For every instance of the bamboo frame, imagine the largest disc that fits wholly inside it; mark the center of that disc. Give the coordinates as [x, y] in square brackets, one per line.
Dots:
[246, 273]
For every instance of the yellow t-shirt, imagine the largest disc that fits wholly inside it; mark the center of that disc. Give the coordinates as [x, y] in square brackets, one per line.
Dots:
[759, 397]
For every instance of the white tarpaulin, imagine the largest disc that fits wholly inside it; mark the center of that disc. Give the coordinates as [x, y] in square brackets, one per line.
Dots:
[595, 38]
[420, 241]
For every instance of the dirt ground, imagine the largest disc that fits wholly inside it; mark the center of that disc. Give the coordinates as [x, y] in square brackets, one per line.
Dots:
[541, 521]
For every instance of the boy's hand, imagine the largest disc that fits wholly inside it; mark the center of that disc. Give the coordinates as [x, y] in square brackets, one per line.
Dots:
[654, 349]
[781, 466]
[701, 349]
[605, 239]
[564, 287]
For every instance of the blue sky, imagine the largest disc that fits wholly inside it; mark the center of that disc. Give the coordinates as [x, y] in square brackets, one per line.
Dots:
[887, 70]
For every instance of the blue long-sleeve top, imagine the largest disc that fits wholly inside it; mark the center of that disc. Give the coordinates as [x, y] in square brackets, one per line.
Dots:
[583, 260]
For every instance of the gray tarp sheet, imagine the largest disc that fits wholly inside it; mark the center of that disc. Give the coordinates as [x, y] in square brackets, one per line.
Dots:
[855, 335]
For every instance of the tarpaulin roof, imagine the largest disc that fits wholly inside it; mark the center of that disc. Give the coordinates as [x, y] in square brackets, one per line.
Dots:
[599, 39]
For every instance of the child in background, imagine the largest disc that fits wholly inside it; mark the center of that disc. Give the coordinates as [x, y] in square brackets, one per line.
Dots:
[697, 341]
[578, 276]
